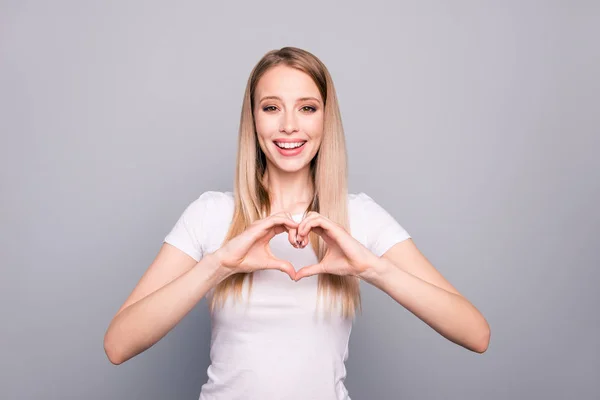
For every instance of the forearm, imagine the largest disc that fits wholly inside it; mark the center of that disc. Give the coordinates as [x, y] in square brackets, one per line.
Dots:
[142, 324]
[450, 314]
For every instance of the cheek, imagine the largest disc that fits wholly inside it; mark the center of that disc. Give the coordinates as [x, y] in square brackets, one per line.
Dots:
[265, 126]
[314, 128]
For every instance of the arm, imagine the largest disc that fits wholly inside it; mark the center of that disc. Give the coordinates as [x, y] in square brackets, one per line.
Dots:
[410, 279]
[170, 288]
[400, 270]
[175, 282]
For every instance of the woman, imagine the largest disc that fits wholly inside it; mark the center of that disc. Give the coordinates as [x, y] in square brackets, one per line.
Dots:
[280, 258]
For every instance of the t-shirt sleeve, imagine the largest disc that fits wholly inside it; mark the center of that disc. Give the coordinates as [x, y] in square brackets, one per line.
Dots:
[187, 233]
[382, 231]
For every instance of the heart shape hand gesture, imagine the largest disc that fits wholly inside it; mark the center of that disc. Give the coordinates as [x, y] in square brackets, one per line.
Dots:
[250, 250]
[344, 255]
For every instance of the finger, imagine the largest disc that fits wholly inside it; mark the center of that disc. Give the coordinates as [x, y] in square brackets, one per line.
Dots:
[309, 271]
[293, 238]
[309, 222]
[290, 228]
[321, 226]
[283, 219]
[302, 239]
[273, 225]
[292, 233]
[283, 266]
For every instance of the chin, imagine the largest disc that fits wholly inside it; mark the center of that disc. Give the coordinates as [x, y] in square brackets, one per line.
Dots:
[290, 165]
[293, 166]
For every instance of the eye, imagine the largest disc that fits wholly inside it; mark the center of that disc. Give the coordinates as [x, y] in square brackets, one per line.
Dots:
[269, 108]
[309, 109]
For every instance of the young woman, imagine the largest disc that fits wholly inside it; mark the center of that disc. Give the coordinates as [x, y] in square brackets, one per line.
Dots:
[280, 258]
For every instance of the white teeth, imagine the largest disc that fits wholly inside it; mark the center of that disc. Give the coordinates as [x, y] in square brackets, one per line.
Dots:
[289, 145]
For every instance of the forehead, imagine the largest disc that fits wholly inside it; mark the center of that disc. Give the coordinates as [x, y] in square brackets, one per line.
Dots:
[286, 82]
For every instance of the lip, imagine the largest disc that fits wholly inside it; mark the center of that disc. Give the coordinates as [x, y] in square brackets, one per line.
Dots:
[289, 140]
[289, 152]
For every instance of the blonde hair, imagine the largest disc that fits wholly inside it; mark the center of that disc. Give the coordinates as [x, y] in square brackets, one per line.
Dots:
[328, 171]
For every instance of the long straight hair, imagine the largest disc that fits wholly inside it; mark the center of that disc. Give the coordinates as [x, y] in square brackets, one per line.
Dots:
[328, 172]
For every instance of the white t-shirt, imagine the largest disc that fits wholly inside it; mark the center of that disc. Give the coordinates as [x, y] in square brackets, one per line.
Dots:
[278, 345]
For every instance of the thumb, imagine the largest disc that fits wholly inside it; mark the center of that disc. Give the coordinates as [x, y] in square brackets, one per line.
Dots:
[283, 266]
[309, 271]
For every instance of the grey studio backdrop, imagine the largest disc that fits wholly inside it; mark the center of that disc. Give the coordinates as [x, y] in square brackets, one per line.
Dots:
[474, 123]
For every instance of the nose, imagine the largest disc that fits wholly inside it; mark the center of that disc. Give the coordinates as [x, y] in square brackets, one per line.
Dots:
[288, 123]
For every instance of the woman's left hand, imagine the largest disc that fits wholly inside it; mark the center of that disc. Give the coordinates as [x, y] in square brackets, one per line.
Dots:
[344, 256]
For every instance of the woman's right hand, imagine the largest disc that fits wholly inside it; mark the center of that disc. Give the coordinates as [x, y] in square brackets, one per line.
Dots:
[249, 251]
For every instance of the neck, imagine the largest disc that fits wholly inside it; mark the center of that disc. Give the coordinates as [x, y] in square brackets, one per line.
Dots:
[290, 191]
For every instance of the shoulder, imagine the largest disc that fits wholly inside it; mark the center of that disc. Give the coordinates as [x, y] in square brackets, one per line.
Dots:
[357, 199]
[209, 208]
[212, 200]
[361, 204]
[203, 218]
[363, 207]
[216, 196]
[377, 228]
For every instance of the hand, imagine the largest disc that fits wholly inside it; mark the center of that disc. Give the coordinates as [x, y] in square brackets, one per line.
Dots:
[344, 256]
[249, 251]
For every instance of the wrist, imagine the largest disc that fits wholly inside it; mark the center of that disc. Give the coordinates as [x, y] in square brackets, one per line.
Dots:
[216, 267]
[377, 271]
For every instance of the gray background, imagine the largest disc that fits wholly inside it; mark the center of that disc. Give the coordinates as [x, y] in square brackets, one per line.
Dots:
[475, 124]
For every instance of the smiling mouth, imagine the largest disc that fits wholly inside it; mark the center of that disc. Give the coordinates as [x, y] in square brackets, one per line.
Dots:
[289, 145]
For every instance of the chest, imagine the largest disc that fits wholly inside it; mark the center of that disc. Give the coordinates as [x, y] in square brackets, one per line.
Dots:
[275, 304]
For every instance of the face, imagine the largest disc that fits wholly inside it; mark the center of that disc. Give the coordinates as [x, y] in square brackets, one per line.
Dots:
[288, 114]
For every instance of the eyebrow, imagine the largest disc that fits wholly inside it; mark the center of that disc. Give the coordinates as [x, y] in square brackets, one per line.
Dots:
[299, 100]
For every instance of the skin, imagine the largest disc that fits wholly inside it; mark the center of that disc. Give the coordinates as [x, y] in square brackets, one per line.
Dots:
[288, 106]
[174, 282]
[403, 272]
